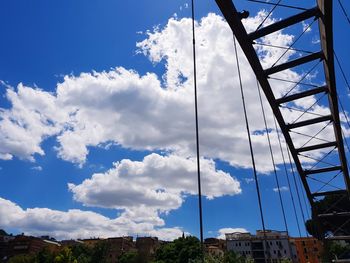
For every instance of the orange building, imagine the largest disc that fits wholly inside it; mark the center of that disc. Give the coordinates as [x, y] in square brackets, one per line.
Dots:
[309, 249]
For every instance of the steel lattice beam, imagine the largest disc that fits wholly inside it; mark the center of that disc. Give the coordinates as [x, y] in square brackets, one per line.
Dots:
[322, 12]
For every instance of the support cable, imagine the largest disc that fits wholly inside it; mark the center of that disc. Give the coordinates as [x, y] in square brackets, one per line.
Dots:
[272, 158]
[344, 11]
[302, 78]
[296, 188]
[330, 180]
[323, 157]
[268, 15]
[197, 134]
[341, 70]
[309, 136]
[316, 134]
[309, 108]
[304, 198]
[325, 183]
[295, 82]
[250, 145]
[295, 41]
[300, 110]
[279, 5]
[287, 176]
[281, 47]
[343, 110]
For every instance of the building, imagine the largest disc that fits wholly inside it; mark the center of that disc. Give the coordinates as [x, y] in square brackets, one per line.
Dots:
[147, 246]
[308, 249]
[22, 244]
[4, 246]
[275, 248]
[215, 246]
[71, 243]
[119, 245]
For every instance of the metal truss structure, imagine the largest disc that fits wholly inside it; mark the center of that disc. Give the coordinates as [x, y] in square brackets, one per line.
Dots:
[333, 178]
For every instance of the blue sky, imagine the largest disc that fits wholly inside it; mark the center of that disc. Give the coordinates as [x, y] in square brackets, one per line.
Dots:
[98, 120]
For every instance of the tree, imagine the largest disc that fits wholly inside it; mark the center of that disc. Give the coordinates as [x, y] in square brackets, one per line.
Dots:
[44, 256]
[22, 259]
[65, 256]
[232, 257]
[336, 225]
[99, 252]
[335, 250]
[129, 257]
[181, 250]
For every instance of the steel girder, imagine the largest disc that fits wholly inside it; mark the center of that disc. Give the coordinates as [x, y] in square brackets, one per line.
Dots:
[322, 12]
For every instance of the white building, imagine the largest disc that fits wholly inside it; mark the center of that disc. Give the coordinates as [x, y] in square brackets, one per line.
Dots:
[274, 245]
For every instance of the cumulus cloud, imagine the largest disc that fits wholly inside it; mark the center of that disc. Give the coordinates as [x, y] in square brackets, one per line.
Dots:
[142, 112]
[76, 223]
[158, 183]
[228, 230]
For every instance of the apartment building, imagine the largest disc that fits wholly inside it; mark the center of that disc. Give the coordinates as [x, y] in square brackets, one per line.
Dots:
[271, 245]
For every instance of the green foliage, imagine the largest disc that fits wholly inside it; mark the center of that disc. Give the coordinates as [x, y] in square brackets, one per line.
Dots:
[181, 250]
[44, 256]
[232, 257]
[22, 259]
[99, 252]
[65, 256]
[335, 225]
[3, 233]
[335, 250]
[129, 257]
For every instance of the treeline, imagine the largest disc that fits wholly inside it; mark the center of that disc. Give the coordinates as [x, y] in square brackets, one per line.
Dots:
[181, 250]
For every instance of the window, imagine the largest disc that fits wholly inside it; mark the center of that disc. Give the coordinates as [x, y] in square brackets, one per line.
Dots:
[305, 250]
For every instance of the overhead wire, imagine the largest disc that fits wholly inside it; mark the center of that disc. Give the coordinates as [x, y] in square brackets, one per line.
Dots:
[250, 145]
[197, 132]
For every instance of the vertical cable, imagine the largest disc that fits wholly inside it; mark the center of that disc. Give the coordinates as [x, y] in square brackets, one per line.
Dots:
[286, 171]
[272, 158]
[250, 146]
[197, 134]
[297, 190]
[274, 166]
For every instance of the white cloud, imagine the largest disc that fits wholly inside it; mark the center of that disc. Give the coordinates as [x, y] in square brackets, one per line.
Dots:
[76, 223]
[158, 184]
[249, 180]
[141, 112]
[282, 189]
[306, 27]
[228, 230]
[37, 168]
